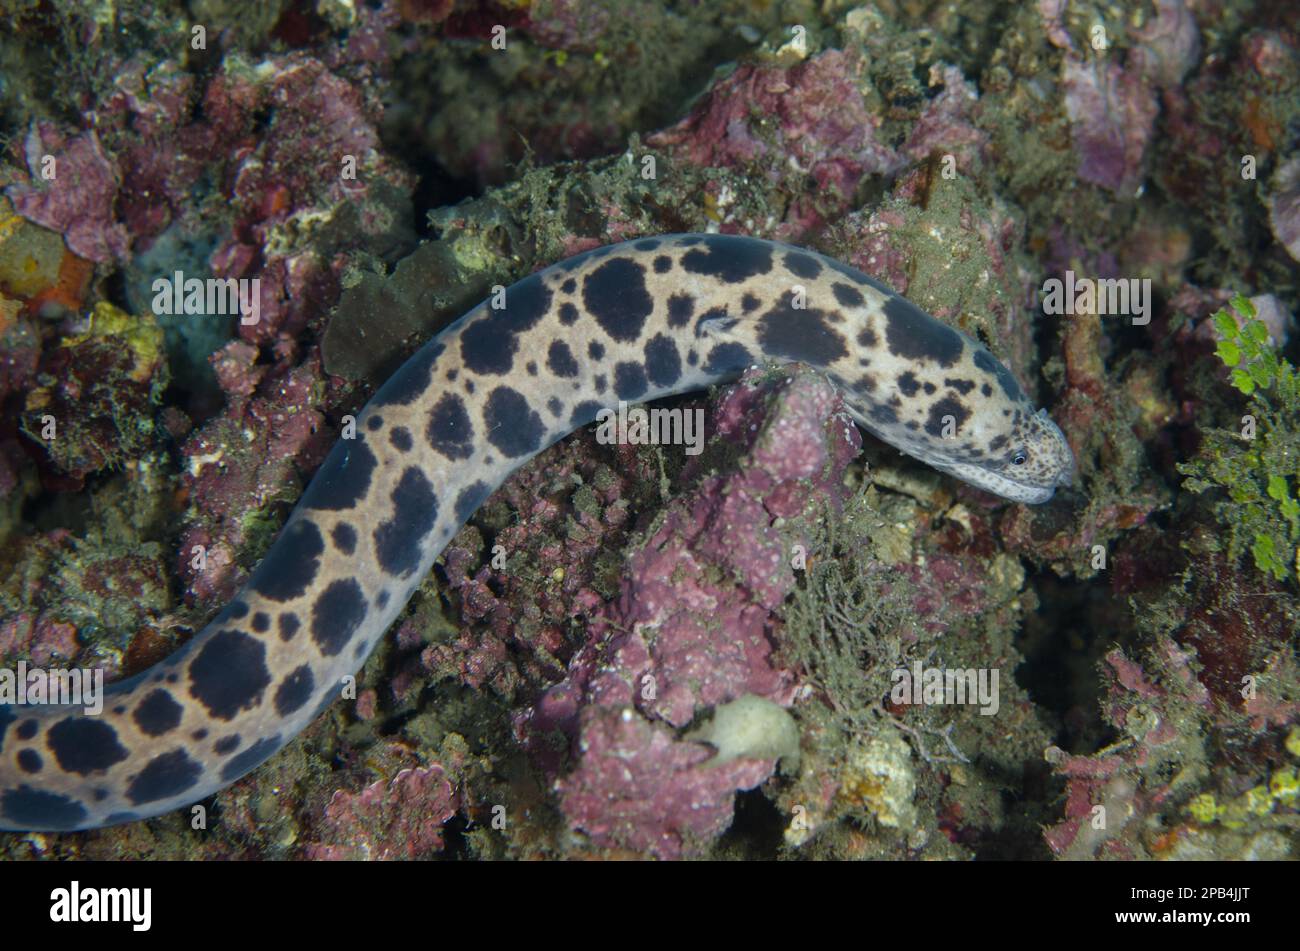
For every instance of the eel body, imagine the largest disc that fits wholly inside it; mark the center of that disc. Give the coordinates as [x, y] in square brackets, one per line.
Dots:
[628, 322]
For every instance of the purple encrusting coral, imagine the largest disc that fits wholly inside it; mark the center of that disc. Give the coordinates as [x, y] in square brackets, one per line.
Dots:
[1112, 112]
[389, 819]
[693, 625]
[813, 123]
[1112, 105]
[80, 205]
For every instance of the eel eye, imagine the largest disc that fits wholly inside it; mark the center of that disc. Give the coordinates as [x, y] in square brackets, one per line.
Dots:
[1019, 459]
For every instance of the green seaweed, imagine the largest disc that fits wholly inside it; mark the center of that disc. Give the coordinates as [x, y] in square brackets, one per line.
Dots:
[1258, 466]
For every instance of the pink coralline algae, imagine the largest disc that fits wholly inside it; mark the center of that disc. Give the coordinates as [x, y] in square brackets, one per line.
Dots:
[1163, 49]
[641, 789]
[948, 587]
[782, 124]
[515, 617]
[164, 156]
[72, 190]
[907, 234]
[373, 36]
[1112, 111]
[400, 818]
[947, 125]
[321, 129]
[159, 136]
[319, 152]
[1111, 106]
[693, 627]
[572, 25]
[42, 639]
[1132, 780]
[243, 460]
[1169, 44]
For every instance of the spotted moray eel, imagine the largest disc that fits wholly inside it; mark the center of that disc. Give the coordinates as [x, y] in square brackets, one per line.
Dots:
[632, 321]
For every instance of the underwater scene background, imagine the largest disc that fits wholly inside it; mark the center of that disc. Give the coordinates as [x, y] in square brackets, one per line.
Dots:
[753, 652]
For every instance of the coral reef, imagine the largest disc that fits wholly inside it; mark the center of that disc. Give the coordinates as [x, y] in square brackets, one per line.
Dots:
[690, 627]
[1119, 800]
[628, 651]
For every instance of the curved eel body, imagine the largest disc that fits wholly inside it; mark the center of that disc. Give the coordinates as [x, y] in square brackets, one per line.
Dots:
[632, 321]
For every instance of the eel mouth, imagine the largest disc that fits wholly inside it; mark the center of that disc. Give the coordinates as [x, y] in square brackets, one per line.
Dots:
[1029, 493]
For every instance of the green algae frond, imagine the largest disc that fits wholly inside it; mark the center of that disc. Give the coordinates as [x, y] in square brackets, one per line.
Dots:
[1257, 466]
